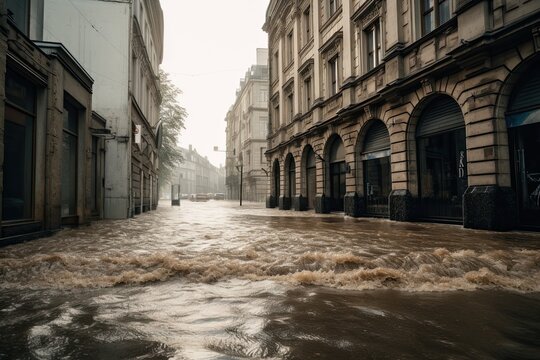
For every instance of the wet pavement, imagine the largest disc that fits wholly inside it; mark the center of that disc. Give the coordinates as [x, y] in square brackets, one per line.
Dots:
[216, 281]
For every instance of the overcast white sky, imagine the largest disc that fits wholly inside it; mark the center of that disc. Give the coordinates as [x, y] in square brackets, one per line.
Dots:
[209, 45]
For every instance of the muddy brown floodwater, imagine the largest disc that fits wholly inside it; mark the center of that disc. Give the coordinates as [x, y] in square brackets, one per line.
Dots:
[216, 281]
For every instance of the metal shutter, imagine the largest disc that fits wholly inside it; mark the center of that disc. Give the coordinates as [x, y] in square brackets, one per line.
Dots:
[527, 92]
[377, 138]
[441, 115]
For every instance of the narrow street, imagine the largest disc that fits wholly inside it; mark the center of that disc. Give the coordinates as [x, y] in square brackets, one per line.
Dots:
[216, 281]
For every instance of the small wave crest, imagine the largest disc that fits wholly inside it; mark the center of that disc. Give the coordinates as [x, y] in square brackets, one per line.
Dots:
[438, 270]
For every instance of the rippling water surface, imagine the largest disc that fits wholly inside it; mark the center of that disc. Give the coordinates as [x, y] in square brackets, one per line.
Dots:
[215, 281]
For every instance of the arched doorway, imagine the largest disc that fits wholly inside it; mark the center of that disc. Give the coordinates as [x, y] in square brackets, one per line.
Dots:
[523, 122]
[310, 176]
[275, 180]
[337, 171]
[375, 158]
[442, 160]
[290, 177]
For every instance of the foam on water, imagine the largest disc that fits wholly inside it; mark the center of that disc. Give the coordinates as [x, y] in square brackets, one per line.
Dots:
[437, 270]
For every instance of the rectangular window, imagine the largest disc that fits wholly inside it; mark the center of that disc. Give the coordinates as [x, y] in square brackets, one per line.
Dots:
[373, 37]
[434, 14]
[307, 94]
[263, 96]
[290, 49]
[275, 66]
[332, 7]
[333, 76]
[19, 13]
[69, 160]
[444, 11]
[276, 120]
[307, 25]
[20, 113]
[262, 158]
[290, 106]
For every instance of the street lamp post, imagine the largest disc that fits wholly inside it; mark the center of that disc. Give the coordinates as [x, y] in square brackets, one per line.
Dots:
[240, 168]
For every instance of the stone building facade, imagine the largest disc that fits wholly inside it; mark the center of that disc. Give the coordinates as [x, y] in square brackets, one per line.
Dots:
[50, 149]
[410, 110]
[247, 128]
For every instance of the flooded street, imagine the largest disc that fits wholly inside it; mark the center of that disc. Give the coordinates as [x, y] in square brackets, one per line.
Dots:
[216, 281]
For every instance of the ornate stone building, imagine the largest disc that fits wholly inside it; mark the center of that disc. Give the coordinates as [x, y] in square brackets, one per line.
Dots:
[247, 128]
[411, 110]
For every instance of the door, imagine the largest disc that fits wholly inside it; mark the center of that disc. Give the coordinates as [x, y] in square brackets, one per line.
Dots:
[442, 173]
[376, 167]
[377, 185]
[337, 185]
[526, 150]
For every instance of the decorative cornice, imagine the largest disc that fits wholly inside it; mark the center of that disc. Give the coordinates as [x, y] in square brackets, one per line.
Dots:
[334, 41]
[306, 67]
[368, 11]
[58, 51]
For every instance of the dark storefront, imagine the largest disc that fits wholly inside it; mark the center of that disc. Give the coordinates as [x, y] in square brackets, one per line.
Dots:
[523, 121]
[442, 160]
[338, 170]
[376, 165]
[311, 178]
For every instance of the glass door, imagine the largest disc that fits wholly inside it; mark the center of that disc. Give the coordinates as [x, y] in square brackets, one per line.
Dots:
[377, 185]
[337, 185]
[527, 172]
[442, 169]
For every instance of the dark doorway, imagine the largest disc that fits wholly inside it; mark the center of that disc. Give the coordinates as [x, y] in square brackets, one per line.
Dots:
[523, 121]
[276, 180]
[442, 161]
[311, 178]
[291, 177]
[376, 166]
[338, 170]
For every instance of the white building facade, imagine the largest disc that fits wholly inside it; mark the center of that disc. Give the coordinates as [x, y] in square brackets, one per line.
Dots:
[120, 43]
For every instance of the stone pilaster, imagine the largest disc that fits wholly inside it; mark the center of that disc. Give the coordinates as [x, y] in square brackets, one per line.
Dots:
[354, 204]
[490, 207]
[322, 204]
[270, 202]
[402, 206]
[300, 203]
[284, 203]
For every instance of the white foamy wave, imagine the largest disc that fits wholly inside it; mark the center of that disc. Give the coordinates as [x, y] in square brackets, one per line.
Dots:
[438, 270]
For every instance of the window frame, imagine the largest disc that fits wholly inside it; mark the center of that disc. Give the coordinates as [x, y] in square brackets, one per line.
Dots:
[372, 36]
[333, 75]
[434, 12]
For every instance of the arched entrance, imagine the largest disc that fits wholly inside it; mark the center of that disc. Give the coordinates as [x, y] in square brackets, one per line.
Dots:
[442, 160]
[290, 177]
[375, 158]
[275, 180]
[337, 171]
[523, 122]
[310, 176]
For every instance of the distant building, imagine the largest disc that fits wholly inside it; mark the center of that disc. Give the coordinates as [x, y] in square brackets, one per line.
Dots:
[247, 128]
[407, 109]
[197, 175]
[51, 151]
[120, 43]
